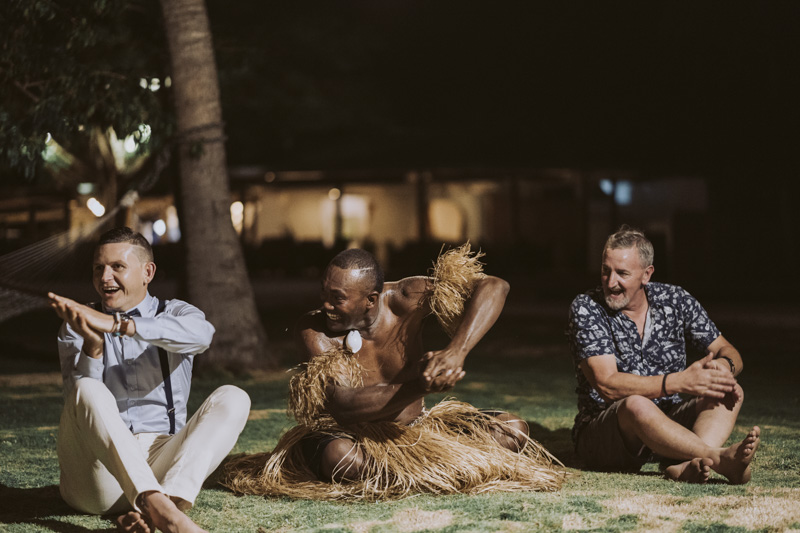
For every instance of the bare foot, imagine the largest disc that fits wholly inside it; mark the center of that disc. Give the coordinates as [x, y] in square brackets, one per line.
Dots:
[134, 522]
[697, 470]
[165, 515]
[735, 461]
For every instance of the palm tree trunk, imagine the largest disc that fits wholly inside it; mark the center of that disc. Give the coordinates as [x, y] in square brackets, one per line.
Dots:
[216, 277]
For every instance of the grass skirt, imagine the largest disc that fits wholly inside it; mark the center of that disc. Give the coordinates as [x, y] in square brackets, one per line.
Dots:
[449, 450]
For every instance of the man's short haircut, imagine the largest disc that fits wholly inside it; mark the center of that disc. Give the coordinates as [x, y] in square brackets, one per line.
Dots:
[628, 237]
[127, 235]
[358, 259]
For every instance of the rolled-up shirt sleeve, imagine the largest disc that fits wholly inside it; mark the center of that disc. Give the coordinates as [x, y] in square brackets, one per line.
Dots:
[181, 329]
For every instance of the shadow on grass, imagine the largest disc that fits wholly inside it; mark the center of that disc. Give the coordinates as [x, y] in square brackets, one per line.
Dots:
[558, 442]
[36, 507]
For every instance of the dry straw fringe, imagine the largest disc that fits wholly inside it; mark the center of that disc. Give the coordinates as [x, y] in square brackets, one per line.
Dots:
[307, 389]
[450, 451]
[454, 275]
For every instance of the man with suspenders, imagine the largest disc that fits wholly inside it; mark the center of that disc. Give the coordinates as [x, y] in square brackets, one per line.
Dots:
[124, 445]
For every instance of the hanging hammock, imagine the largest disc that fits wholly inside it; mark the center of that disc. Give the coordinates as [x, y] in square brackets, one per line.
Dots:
[27, 274]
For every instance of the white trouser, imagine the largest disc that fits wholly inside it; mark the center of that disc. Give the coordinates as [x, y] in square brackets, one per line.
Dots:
[104, 467]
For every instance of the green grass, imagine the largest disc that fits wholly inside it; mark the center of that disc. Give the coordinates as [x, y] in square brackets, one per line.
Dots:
[515, 368]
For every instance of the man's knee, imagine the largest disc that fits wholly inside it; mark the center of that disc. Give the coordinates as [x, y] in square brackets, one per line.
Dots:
[88, 394]
[342, 460]
[233, 402]
[512, 433]
[636, 408]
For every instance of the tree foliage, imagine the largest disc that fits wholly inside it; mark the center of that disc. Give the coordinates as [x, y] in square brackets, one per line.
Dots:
[67, 67]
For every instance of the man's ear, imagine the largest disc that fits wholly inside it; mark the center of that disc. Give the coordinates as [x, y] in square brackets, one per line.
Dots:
[372, 299]
[149, 272]
[648, 272]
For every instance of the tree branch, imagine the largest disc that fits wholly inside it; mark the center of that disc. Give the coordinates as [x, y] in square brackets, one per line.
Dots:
[26, 92]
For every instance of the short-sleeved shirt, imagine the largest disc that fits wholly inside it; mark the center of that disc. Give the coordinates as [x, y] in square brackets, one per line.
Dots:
[677, 321]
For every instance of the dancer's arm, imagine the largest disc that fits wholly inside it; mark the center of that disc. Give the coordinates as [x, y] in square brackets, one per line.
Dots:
[443, 368]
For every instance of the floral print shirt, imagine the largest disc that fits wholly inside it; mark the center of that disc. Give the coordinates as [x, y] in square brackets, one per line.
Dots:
[676, 320]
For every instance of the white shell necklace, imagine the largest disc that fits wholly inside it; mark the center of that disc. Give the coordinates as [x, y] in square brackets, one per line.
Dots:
[352, 341]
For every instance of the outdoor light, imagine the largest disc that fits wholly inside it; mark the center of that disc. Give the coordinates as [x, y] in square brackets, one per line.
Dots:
[621, 190]
[607, 186]
[160, 227]
[143, 133]
[334, 194]
[237, 215]
[624, 192]
[95, 207]
[153, 84]
[130, 144]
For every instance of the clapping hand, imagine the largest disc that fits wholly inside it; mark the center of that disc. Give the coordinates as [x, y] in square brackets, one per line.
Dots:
[442, 369]
[85, 321]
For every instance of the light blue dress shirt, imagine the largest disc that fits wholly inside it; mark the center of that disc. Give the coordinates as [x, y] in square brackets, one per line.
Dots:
[130, 366]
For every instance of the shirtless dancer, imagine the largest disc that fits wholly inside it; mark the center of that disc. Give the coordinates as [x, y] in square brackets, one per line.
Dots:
[382, 323]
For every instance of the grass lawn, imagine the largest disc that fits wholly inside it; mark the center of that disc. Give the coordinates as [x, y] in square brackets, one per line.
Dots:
[518, 367]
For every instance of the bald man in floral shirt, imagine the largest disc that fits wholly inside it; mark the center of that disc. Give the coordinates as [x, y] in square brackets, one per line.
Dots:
[628, 340]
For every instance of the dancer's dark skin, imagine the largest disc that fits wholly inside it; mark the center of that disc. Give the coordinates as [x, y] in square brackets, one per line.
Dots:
[398, 372]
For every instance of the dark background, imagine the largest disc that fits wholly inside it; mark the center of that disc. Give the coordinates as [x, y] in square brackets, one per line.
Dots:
[701, 86]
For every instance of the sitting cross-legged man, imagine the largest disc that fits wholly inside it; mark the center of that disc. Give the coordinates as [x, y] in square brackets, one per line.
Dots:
[124, 445]
[364, 430]
[629, 340]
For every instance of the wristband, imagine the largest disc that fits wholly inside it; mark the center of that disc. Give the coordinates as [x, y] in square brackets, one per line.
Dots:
[664, 386]
[120, 319]
[730, 363]
[117, 324]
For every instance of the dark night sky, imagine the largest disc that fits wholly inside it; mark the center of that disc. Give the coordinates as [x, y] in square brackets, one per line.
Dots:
[701, 86]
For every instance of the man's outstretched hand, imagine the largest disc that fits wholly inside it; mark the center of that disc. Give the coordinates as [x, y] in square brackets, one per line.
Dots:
[442, 369]
[85, 321]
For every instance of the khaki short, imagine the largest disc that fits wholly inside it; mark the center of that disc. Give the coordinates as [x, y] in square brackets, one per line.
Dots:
[601, 447]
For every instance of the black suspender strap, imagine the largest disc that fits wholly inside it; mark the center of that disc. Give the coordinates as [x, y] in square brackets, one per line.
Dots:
[162, 356]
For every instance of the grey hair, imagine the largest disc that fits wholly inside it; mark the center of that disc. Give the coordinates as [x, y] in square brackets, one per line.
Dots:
[628, 237]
